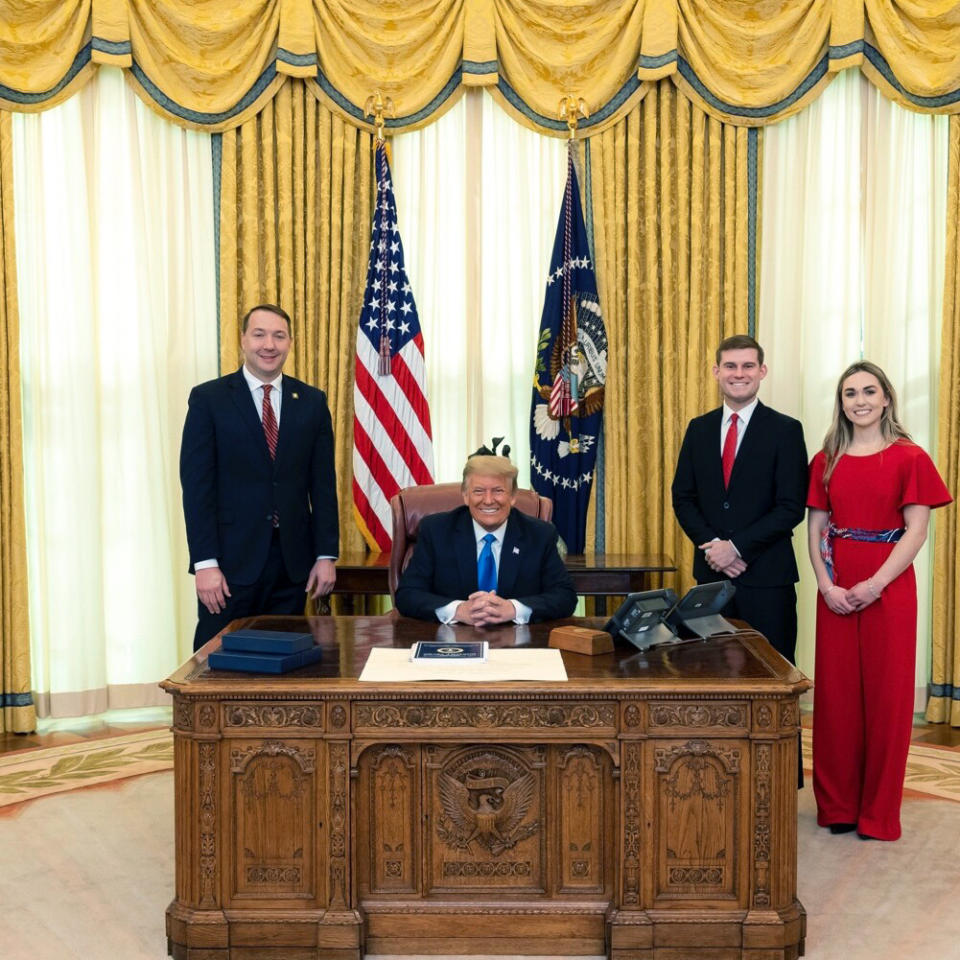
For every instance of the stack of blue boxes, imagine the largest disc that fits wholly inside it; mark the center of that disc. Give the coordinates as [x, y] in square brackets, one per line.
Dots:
[264, 651]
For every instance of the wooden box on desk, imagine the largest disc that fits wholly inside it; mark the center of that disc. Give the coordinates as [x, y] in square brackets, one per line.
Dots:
[581, 640]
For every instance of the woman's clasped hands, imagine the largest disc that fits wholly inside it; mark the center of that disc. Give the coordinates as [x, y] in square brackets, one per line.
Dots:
[844, 600]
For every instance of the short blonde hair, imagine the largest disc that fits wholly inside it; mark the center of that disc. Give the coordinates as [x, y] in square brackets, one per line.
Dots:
[485, 465]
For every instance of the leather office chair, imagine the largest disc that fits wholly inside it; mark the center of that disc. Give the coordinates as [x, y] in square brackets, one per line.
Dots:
[412, 504]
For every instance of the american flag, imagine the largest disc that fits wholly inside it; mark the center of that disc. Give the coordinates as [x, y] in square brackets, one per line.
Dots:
[570, 375]
[392, 439]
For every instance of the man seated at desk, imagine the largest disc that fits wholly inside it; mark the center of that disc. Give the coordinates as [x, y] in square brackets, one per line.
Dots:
[486, 562]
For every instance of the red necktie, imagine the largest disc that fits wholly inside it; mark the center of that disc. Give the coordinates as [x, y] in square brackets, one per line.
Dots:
[729, 449]
[270, 429]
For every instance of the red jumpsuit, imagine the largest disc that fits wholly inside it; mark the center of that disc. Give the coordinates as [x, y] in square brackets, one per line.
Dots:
[865, 661]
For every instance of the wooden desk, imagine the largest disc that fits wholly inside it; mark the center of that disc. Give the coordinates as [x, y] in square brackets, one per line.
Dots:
[646, 808]
[594, 575]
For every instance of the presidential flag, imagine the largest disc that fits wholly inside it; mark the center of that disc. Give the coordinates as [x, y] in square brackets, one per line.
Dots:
[392, 439]
[569, 376]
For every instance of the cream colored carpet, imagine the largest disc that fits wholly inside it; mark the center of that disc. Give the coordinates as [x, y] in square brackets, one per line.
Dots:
[88, 874]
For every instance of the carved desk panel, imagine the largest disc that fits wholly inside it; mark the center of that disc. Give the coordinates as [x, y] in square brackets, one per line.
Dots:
[645, 809]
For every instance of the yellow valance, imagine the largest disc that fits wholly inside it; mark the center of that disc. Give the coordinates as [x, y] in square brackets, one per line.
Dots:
[213, 64]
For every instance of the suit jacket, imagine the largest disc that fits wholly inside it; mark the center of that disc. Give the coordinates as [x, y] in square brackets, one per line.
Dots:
[231, 487]
[444, 567]
[764, 502]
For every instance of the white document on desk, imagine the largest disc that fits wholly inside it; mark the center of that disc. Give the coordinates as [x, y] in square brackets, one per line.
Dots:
[392, 665]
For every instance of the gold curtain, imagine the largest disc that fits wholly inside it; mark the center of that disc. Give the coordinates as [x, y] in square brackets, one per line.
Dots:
[671, 229]
[214, 64]
[944, 703]
[295, 214]
[18, 713]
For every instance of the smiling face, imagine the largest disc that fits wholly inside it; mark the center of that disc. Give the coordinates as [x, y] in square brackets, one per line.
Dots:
[489, 499]
[265, 343]
[863, 400]
[738, 375]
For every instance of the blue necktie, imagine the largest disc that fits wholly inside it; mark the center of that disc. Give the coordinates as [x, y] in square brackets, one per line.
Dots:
[486, 566]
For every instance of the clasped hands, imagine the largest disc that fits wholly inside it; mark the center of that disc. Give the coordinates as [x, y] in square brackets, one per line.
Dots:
[484, 607]
[722, 556]
[841, 600]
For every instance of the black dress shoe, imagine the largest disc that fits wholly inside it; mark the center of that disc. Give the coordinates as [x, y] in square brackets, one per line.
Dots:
[843, 828]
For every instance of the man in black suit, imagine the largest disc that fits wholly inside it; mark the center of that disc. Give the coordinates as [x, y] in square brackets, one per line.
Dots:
[259, 489]
[739, 489]
[486, 562]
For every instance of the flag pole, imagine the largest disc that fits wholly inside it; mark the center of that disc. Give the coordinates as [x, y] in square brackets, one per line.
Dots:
[570, 371]
[392, 434]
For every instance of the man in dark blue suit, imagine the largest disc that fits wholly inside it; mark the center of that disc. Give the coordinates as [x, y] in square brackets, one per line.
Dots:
[486, 562]
[259, 488]
[739, 489]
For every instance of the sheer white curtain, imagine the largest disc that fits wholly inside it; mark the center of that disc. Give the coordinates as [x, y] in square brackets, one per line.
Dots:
[115, 265]
[852, 261]
[478, 198]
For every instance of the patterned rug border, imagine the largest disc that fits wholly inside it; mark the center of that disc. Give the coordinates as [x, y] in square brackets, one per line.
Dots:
[31, 773]
[931, 770]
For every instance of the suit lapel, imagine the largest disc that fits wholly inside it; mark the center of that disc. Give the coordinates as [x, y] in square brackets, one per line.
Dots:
[510, 556]
[247, 407]
[291, 411]
[711, 447]
[465, 549]
[749, 446]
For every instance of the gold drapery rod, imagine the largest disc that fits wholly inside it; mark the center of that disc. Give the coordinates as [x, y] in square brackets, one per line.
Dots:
[375, 107]
[570, 109]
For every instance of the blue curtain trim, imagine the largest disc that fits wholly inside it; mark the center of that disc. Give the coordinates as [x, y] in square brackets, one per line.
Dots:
[116, 47]
[945, 690]
[601, 502]
[391, 122]
[753, 140]
[18, 96]
[216, 155]
[876, 58]
[480, 66]
[297, 59]
[486, 67]
[16, 699]
[846, 50]
[197, 116]
[652, 63]
[808, 83]
[551, 123]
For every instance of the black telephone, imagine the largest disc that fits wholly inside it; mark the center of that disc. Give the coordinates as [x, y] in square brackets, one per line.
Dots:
[657, 616]
[640, 618]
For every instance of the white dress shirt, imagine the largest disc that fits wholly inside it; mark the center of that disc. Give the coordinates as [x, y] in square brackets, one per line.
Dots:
[743, 421]
[522, 613]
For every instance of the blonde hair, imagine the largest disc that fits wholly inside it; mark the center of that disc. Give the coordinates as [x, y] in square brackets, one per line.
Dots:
[840, 435]
[485, 465]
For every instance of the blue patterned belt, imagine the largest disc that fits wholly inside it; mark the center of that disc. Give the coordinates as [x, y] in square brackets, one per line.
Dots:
[832, 532]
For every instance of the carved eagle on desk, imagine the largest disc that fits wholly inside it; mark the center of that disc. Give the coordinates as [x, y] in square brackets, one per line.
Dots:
[489, 810]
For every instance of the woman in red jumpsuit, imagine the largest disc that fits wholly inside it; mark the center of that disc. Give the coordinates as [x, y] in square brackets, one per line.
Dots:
[871, 491]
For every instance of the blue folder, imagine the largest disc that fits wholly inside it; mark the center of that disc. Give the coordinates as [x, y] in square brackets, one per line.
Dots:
[267, 641]
[251, 662]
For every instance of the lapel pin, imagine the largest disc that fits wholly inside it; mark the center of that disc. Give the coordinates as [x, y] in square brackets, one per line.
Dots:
[516, 550]
[295, 395]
